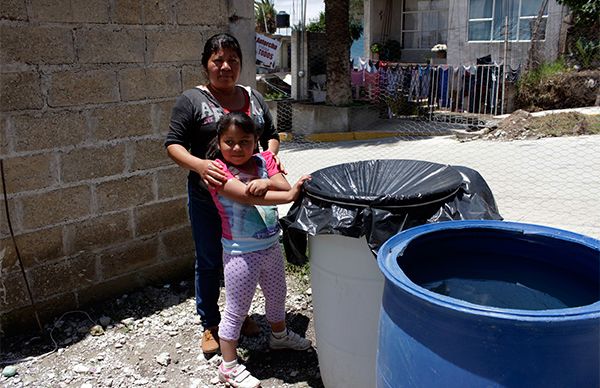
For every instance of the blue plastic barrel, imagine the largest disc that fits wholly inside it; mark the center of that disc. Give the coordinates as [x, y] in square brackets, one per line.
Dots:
[489, 304]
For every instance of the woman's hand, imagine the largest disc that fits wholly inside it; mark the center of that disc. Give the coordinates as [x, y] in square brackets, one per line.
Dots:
[279, 164]
[212, 173]
[257, 187]
[297, 188]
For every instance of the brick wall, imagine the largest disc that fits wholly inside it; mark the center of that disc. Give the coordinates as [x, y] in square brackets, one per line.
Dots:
[86, 90]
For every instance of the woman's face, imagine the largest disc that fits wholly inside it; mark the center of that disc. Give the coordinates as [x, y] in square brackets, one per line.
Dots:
[224, 68]
[237, 146]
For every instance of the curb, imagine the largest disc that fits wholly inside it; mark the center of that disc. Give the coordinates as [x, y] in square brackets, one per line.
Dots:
[348, 136]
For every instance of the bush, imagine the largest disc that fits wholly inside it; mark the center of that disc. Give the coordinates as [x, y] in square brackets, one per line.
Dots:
[553, 86]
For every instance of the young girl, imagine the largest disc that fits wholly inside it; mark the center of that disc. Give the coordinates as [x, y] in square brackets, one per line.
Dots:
[251, 252]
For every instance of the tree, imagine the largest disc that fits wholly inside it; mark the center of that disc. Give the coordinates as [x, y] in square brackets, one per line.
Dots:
[339, 91]
[264, 14]
[584, 11]
[355, 26]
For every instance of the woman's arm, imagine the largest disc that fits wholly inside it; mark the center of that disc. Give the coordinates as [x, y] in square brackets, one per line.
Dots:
[236, 190]
[210, 171]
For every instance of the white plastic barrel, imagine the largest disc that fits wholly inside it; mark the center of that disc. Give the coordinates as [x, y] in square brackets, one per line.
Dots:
[347, 286]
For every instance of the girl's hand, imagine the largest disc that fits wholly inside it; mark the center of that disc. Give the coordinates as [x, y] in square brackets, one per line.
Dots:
[212, 173]
[257, 187]
[279, 164]
[297, 189]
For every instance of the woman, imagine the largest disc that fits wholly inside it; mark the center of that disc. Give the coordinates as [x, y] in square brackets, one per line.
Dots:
[192, 127]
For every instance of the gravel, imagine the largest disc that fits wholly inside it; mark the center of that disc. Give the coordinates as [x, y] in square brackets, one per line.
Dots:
[150, 338]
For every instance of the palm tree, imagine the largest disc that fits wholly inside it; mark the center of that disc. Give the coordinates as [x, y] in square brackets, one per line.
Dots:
[264, 14]
[339, 91]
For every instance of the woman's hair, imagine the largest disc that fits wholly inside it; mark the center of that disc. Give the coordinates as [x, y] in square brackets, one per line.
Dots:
[240, 120]
[217, 42]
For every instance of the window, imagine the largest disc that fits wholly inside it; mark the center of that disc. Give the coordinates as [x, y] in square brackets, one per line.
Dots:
[487, 19]
[425, 23]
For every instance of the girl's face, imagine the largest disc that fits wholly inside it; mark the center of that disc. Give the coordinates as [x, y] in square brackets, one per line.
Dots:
[237, 146]
[223, 68]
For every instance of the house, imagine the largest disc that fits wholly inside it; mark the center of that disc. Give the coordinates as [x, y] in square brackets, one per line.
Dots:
[470, 28]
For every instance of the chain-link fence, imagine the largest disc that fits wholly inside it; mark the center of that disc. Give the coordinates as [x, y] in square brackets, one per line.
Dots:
[542, 168]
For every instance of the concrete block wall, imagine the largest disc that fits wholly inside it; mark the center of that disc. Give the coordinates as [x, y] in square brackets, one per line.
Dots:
[86, 90]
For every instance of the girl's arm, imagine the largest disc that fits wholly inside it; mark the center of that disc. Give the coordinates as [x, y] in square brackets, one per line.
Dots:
[259, 187]
[236, 190]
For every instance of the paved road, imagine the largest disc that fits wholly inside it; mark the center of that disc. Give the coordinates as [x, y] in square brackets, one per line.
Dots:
[554, 181]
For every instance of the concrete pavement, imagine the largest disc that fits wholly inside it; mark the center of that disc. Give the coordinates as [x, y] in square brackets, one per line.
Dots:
[553, 181]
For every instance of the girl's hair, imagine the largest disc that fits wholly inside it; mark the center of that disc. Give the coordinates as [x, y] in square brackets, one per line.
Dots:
[240, 120]
[217, 42]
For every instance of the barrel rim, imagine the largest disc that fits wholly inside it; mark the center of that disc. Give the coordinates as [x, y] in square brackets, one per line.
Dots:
[393, 247]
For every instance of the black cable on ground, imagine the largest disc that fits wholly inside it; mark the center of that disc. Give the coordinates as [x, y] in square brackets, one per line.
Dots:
[14, 240]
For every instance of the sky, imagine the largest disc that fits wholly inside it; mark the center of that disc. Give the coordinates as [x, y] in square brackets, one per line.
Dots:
[292, 7]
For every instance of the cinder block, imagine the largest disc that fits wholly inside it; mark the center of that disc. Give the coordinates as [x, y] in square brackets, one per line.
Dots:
[34, 248]
[122, 121]
[172, 182]
[211, 13]
[124, 193]
[49, 130]
[153, 218]
[162, 116]
[193, 76]
[170, 45]
[5, 122]
[63, 276]
[127, 12]
[148, 154]
[36, 45]
[55, 206]
[96, 232]
[13, 291]
[70, 88]
[92, 162]
[4, 230]
[101, 45]
[168, 270]
[23, 319]
[25, 173]
[20, 91]
[108, 289]
[13, 10]
[138, 84]
[70, 11]
[157, 12]
[178, 243]
[127, 258]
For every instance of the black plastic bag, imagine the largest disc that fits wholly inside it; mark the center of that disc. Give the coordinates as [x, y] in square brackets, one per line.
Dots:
[379, 198]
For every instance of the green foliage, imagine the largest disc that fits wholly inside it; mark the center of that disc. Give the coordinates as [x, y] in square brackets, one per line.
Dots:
[300, 273]
[390, 50]
[584, 10]
[317, 25]
[355, 28]
[376, 48]
[537, 75]
[586, 52]
[264, 14]
[275, 95]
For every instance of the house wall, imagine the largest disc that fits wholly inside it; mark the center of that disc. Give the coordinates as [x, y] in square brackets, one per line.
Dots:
[86, 89]
[460, 51]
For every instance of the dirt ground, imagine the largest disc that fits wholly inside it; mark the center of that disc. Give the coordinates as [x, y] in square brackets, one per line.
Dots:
[151, 338]
[522, 125]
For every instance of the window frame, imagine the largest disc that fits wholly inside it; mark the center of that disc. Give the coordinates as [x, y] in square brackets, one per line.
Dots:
[519, 19]
[419, 13]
